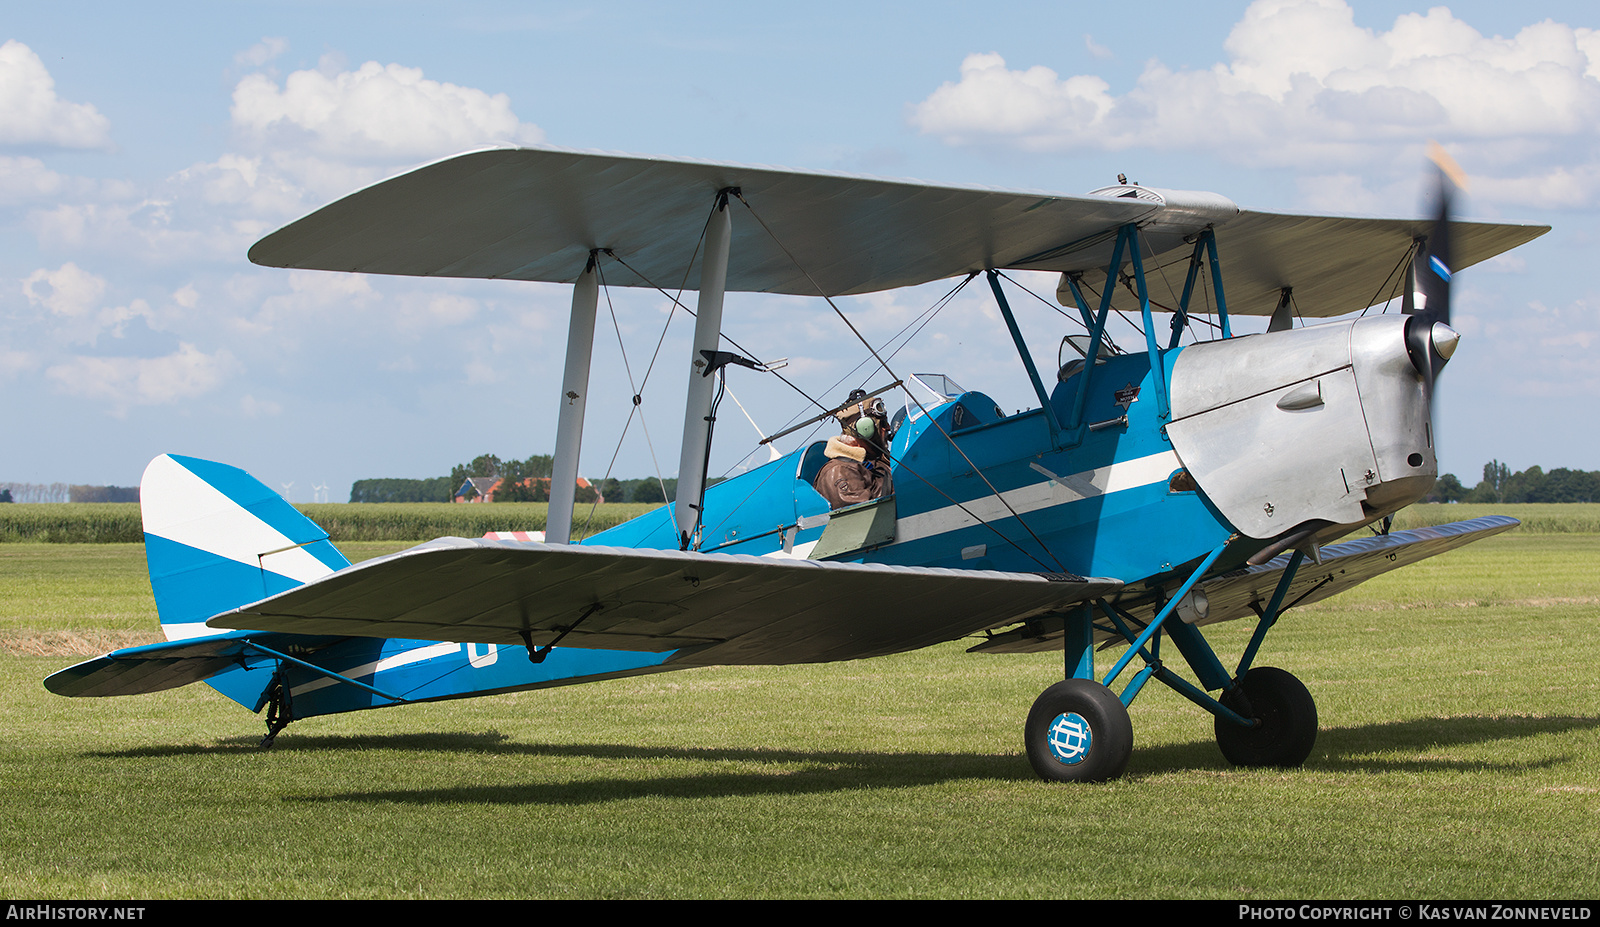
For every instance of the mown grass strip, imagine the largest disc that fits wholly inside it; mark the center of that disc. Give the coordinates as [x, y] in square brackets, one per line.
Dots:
[1459, 757]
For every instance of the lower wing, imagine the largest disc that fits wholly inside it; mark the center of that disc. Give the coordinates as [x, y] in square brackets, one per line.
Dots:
[1239, 593]
[710, 608]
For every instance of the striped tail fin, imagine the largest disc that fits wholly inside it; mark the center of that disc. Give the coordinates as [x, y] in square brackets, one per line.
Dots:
[217, 538]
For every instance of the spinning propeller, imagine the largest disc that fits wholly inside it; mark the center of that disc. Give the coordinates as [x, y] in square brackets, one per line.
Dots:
[1429, 338]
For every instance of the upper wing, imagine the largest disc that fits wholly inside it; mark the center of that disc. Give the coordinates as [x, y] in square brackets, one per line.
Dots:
[713, 608]
[535, 214]
[1239, 593]
[1333, 264]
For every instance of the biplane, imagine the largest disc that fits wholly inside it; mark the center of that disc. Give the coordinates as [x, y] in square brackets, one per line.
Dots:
[1150, 493]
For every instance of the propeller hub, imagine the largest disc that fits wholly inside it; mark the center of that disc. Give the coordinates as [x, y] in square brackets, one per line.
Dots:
[1445, 339]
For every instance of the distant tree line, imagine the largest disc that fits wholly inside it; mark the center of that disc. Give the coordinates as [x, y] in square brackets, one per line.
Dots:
[1499, 484]
[103, 494]
[438, 489]
[63, 492]
[38, 492]
[521, 481]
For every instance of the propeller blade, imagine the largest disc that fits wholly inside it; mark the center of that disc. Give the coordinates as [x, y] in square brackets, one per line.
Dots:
[1437, 269]
[1429, 337]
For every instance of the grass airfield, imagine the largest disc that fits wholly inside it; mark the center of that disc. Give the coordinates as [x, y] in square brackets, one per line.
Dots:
[1459, 757]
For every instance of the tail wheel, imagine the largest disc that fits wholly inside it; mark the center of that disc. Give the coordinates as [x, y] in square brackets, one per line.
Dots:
[1288, 716]
[1079, 731]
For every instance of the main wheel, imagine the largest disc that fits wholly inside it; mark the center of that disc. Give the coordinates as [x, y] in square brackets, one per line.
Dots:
[1288, 715]
[1079, 731]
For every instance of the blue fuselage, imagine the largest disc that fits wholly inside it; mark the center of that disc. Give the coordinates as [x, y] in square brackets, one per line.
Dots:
[978, 489]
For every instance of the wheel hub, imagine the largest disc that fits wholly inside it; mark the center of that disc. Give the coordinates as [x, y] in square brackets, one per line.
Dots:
[1070, 738]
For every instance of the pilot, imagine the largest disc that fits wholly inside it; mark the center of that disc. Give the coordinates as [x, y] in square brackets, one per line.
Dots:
[858, 457]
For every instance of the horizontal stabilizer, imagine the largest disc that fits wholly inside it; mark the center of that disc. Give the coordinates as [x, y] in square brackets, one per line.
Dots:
[1232, 594]
[713, 608]
[154, 667]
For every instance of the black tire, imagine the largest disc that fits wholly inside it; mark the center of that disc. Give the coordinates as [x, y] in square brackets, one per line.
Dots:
[1288, 714]
[1079, 731]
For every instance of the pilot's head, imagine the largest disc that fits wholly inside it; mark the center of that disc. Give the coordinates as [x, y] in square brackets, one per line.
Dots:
[865, 419]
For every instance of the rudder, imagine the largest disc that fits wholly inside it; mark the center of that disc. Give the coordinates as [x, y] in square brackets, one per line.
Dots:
[217, 538]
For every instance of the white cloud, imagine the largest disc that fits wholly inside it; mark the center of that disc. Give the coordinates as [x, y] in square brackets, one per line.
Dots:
[1550, 346]
[209, 211]
[1304, 86]
[75, 313]
[312, 137]
[262, 52]
[69, 290]
[128, 381]
[32, 114]
[23, 179]
[376, 112]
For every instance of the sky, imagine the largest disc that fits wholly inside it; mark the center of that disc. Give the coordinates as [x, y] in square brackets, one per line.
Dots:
[145, 147]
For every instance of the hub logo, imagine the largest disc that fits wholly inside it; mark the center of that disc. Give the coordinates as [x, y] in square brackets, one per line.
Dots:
[1070, 738]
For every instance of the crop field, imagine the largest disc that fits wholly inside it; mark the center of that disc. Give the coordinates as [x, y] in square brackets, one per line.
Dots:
[118, 522]
[1458, 757]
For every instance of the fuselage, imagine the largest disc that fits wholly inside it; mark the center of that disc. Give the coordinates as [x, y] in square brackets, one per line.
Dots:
[1323, 427]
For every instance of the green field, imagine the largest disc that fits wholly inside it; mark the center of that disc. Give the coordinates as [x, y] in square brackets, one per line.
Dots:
[1459, 757]
[118, 522]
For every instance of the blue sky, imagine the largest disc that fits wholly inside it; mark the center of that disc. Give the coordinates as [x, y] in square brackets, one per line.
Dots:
[144, 147]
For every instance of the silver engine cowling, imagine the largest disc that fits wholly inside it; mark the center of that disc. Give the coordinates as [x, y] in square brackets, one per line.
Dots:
[1329, 423]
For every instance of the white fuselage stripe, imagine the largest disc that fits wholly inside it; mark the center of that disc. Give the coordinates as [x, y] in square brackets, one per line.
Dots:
[1052, 491]
[404, 658]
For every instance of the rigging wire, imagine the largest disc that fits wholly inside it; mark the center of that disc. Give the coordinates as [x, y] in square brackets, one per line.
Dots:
[925, 317]
[1162, 271]
[723, 335]
[676, 303]
[1105, 337]
[636, 409]
[1404, 259]
[934, 421]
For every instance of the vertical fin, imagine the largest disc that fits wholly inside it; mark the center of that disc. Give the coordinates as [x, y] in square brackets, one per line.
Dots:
[217, 538]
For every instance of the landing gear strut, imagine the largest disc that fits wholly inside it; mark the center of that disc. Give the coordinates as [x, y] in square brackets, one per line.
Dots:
[1287, 716]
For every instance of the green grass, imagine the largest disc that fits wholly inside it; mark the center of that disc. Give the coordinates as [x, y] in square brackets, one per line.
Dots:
[1563, 518]
[118, 522]
[1459, 756]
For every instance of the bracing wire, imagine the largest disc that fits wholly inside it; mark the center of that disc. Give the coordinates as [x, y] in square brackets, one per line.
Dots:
[1398, 281]
[934, 421]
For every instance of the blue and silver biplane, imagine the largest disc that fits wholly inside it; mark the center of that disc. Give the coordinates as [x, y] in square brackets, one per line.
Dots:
[1150, 494]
